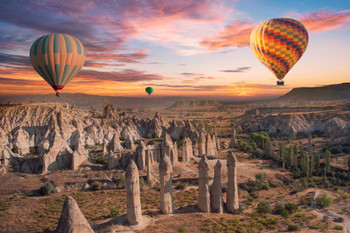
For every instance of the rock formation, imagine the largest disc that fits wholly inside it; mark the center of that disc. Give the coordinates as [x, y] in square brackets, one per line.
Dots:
[72, 219]
[210, 147]
[141, 155]
[156, 128]
[166, 190]
[232, 186]
[187, 152]
[202, 144]
[149, 159]
[216, 190]
[203, 192]
[110, 113]
[134, 214]
[169, 149]
[233, 141]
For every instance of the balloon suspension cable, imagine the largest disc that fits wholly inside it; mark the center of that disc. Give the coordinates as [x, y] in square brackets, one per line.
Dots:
[58, 94]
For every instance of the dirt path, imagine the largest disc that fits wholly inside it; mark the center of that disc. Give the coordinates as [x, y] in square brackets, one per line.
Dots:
[331, 214]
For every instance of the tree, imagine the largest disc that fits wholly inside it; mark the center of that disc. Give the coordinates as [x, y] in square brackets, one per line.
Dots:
[304, 164]
[327, 161]
[282, 154]
[349, 167]
[312, 165]
[317, 163]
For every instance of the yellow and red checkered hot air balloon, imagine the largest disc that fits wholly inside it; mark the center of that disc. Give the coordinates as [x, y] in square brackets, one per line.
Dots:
[57, 58]
[279, 44]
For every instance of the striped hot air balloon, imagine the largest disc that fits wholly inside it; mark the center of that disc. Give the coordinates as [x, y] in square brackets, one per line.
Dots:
[57, 58]
[279, 44]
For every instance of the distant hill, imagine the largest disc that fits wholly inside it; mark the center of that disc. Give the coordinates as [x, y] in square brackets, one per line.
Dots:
[195, 105]
[97, 102]
[325, 93]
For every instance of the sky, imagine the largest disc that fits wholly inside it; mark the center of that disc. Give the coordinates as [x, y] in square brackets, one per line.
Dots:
[179, 47]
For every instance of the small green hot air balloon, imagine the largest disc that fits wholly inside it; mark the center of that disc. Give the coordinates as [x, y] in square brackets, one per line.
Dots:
[149, 90]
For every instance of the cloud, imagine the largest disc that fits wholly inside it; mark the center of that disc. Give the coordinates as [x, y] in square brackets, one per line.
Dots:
[234, 35]
[126, 75]
[192, 74]
[237, 34]
[22, 82]
[238, 70]
[325, 20]
[106, 25]
[16, 60]
[191, 87]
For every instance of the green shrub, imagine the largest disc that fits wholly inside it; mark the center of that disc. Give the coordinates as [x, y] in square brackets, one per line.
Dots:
[154, 135]
[338, 227]
[293, 227]
[182, 229]
[279, 207]
[324, 200]
[180, 186]
[3, 205]
[285, 214]
[150, 143]
[115, 212]
[264, 207]
[291, 207]
[96, 185]
[150, 183]
[224, 188]
[128, 147]
[142, 182]
[86, 146]
[122, 181]
[47, 189]
[122, 138]
[335, 150]
[346, 150]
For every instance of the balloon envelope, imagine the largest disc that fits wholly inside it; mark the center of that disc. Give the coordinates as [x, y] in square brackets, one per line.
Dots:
[57, 58]
[149, 90]
[279, 44]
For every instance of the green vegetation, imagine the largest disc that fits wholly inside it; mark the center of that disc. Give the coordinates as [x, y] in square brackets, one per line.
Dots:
[98, 158]
[324, 200]
[182, 229]
[180, 186]
[142, 182]
[115, 212]
[96, 185]
[207, 127]
[154, 135]
[122, 138]
[122, 181]
[263, 207]
[150, 143]
[47, 189]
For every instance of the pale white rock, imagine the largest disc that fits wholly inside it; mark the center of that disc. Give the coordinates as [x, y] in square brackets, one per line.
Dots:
[203, 192]
[216, 190]
[72, 219]
[134, 213]
[232, 201]
[166, 190]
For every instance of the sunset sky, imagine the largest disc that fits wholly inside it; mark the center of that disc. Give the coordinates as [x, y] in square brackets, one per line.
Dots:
[179, 47]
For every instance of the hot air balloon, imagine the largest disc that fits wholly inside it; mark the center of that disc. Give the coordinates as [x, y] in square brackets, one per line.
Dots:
[57, 58]
[149, 90]
[279, 44]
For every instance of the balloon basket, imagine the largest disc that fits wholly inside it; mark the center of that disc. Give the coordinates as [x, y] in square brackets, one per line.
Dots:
[58, 94]
[280, 83]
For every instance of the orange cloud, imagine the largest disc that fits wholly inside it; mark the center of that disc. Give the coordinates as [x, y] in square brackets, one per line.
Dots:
[237, 33]
[324, 20]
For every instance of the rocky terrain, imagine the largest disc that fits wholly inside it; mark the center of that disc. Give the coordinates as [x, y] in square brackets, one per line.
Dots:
[330, 120]
[195, 105]
[41, 137]
[303, 95]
